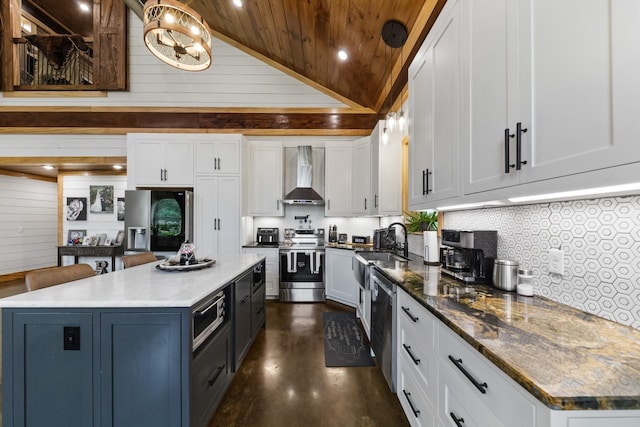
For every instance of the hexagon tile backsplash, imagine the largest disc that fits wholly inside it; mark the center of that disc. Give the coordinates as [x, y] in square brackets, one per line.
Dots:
[600, 239]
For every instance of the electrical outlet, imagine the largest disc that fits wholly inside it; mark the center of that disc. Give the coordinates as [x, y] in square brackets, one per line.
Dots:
[556, 261]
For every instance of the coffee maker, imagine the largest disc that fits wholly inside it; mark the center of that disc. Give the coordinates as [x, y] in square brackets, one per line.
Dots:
[469, 255]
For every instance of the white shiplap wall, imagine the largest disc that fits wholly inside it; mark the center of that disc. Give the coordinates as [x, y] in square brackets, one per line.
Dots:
[63, 145]
[235, 79]
[96, 223]
[28, 224]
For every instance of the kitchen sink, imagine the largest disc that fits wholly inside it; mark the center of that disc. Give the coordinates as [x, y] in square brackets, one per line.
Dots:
[362, 261]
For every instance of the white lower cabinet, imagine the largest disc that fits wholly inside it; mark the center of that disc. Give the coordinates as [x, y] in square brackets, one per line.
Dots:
[340, 283]
[441, 376]
[272, 276]
[363, 309]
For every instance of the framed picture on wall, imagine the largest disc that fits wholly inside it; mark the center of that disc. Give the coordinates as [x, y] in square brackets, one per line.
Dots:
[120, 208]
[76, 209]
[101, 198]
[119, 238]
[76, 236]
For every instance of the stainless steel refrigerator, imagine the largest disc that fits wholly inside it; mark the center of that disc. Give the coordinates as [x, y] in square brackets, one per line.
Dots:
[157, 220]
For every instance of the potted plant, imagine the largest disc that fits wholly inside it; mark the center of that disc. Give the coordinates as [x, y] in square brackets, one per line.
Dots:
[417, 222]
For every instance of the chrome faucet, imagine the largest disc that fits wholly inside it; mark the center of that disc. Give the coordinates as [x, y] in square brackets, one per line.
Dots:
[405, 247]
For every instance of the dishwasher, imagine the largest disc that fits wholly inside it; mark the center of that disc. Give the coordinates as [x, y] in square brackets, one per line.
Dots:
[383, 325]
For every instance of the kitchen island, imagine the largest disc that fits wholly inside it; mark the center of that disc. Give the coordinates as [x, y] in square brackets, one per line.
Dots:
[118, 349]
[512, 360]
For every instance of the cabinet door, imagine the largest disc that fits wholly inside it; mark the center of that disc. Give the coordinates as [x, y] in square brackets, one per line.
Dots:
[340, 283]
[219, 157]
[361, 177]
[337, 180]
[149, 155]
[434, 133]
[579, 86]
[386, 173]
[228, 206]
[178, 161]
[206, 221]
[217, 215]
[489, 93]
[265, 182]
[40, 360]
[141, 367]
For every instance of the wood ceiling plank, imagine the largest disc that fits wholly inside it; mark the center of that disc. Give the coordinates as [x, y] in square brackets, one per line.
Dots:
[294, 32]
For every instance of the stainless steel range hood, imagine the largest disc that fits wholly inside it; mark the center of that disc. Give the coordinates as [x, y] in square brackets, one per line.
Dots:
[303, 193]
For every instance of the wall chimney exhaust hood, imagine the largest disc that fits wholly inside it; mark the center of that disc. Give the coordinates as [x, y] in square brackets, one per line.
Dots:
[303, 194]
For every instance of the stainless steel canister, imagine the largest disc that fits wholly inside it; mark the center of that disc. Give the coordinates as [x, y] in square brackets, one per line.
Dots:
[505, 274]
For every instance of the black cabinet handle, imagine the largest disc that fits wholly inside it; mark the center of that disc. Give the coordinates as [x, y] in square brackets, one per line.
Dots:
[519, 132]
[507, 137]
[424, 179]
[428, 189]
[407, 348]
[375, 200]
[411, 316]
[215, 377]
[416, 412]
[365, 203]
[219, 226]
[458, 362]
[459, 421]
[219, 164]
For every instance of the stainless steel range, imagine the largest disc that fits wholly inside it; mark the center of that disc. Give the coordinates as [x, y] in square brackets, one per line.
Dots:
[302, 265]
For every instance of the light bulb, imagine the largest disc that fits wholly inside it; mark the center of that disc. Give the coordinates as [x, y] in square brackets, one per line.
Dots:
[194, 30]
[169, 18]
[342, 54]
[385, 136]
[237, 3]
[198, 47]
[402, 121]
[391, 121]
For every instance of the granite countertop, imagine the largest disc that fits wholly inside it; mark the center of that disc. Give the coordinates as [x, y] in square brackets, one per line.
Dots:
[566, 358]
[141, 286]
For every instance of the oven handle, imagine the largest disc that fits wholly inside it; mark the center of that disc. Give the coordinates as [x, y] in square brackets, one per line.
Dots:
[215, 302]
[291, 262]
[314, 257]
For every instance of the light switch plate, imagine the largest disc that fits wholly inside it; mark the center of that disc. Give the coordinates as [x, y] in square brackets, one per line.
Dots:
[556, 261]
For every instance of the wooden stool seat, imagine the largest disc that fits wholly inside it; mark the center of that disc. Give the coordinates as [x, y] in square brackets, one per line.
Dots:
[138, 259]
[43, 278]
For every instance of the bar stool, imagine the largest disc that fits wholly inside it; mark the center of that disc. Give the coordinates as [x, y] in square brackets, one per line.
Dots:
[43, 278]
[138, 259]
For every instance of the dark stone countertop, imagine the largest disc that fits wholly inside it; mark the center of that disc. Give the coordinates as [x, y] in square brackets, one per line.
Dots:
[566, 358]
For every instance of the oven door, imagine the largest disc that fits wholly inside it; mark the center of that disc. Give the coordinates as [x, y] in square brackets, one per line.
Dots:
[301, 267]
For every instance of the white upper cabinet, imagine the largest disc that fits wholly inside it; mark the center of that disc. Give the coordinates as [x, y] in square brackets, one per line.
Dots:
[556, 78]
[434, 113]
[386, 172]
[265, 184]
[161, 160]
[337, 179]
[220, 156]
[361, 177]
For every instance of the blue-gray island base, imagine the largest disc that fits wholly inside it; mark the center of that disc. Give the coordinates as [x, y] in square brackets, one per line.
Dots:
[116, 349]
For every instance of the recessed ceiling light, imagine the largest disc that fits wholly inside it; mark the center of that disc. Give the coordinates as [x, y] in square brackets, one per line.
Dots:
[48, 167]
[238, 3]
[118, 167]
[342, 54]
[84, 7]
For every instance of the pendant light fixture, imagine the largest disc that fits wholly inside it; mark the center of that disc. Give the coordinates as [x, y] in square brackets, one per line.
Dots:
[394, 34]
[177, 35]
[385, 130]
[402, 120]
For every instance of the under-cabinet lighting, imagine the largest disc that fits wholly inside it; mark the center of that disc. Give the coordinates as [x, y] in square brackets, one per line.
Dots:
[578, 193]
[470, 206]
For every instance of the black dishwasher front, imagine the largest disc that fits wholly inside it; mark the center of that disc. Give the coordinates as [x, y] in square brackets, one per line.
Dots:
[383, 325]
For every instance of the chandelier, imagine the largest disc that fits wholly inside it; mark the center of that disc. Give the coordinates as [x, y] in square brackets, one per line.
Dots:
[177, 35]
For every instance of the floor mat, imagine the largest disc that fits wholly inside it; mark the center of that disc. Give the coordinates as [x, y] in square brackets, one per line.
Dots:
[344, 341]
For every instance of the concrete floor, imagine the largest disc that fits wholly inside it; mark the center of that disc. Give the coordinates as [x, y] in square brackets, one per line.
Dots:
[283, 380]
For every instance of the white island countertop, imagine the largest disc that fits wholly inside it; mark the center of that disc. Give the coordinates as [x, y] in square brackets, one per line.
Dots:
[141, 286]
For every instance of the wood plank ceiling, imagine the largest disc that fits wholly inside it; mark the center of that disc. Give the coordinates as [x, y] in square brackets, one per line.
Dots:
[299, 37]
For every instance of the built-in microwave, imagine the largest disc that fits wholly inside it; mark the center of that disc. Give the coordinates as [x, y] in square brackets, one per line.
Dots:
[207, 317]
